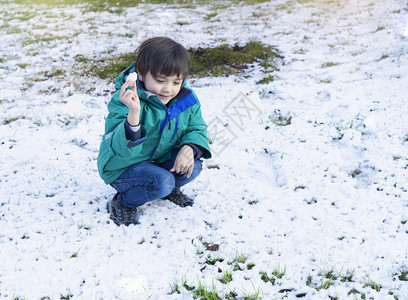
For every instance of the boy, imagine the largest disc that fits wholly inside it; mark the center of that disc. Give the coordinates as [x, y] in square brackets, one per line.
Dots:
[154, 133]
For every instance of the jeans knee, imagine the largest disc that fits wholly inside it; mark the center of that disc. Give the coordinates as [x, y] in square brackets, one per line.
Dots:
[164, 184]
[198, 165]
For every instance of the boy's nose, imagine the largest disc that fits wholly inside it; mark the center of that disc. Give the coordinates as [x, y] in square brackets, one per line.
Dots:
[166, 87]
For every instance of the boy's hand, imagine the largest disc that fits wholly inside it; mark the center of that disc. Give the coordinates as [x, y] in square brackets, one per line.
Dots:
[130, 98]
[184, 161]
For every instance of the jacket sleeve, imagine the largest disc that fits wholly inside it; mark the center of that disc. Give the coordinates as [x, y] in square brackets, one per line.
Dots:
[115, 136]
[198, 150]
[133, 133]
[196, 132]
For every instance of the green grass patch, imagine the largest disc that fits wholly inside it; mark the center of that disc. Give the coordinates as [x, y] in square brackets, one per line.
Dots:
[403, 276]
[267, 79]
[355, 173]
[325, 284]
[281, 120]
[266, 278]
[11, 120]
[182, 23]
[67, 296]
[380, 28]
[226, 277]
[348, 277]
[325, 80]
[24, 15]
[278, 273]
[309, 281]
[33, 52]
[43, 39]
[175, 289]
[49, 91]
[104, 68]
[327, 281]
[227, 60]
[14, 30]
[353, 291]
[112, 6]
[75, 254]
[127, 35]
[209, 16]
[202, 292]
[329, 64]
[223, 60]
[96, 3]
[241, 258]
[22, 65]
[103, 4]
[45, 75]
[4, 59]
[81, 58]
[375, 286]
[213, 260]
[55, 73]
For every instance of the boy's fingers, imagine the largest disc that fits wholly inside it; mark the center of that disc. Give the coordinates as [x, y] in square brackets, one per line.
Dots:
[190, 170]
[176, 167]
[126, 85]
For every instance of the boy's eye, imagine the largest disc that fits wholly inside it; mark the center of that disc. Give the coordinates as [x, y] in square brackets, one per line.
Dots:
[176, 82]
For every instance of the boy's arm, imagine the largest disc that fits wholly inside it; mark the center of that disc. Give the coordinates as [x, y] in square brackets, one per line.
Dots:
[123, 141]
[133, 133]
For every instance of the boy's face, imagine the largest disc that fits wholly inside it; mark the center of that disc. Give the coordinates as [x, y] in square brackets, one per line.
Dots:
[165, 87]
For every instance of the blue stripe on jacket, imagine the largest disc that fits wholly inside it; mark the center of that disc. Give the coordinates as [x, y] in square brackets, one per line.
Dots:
[180, 106]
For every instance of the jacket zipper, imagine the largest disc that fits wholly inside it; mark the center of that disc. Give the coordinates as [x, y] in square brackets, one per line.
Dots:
[168, 115]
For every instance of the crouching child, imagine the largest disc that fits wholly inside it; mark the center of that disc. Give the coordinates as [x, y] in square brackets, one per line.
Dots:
[155, 135]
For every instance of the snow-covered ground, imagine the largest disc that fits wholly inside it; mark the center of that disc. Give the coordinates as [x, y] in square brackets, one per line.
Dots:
[316, 209]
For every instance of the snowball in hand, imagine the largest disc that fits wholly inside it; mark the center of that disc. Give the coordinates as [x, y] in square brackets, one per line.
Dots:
[132, 77]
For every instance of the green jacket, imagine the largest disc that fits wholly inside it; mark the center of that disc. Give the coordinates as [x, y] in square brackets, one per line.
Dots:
[163, 128]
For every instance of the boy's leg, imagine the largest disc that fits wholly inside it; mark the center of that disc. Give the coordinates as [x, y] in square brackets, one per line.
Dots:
[176, 196]
[143, 182]
[181, 179]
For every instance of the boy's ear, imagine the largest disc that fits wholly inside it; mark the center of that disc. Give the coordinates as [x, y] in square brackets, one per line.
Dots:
[140, 76]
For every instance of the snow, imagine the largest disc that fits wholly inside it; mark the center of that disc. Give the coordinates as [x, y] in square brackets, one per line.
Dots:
[327, 192]
[132, 77]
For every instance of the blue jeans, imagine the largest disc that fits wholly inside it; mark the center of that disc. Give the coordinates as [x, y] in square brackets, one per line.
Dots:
[147, 181]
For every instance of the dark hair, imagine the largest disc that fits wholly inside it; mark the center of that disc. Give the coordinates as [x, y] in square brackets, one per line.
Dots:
[162, 55]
